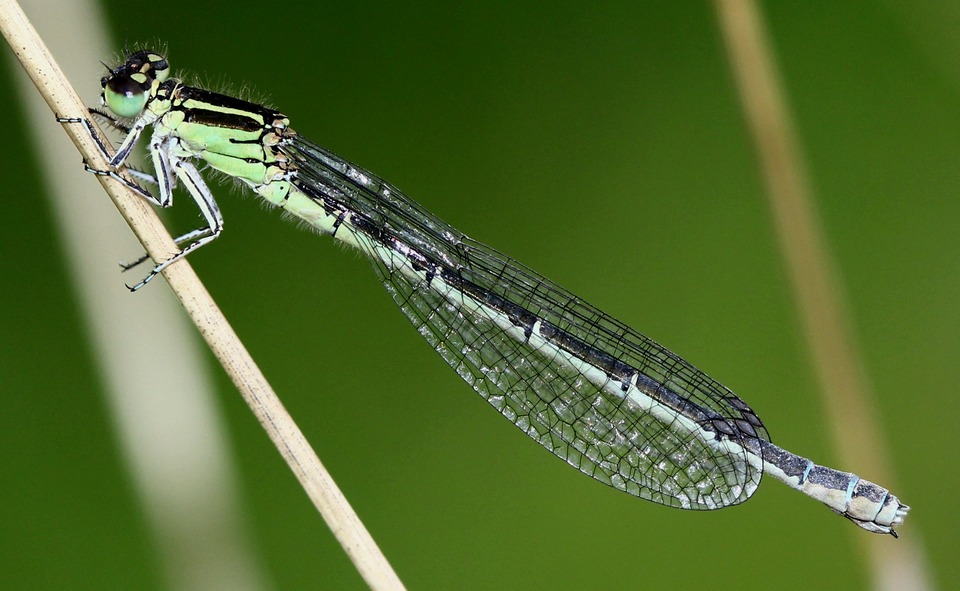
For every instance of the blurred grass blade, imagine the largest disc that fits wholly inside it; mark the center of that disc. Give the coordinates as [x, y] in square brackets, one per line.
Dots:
[167, 422]
[815, 282]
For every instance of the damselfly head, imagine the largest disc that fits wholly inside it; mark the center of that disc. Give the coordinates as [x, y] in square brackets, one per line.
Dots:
[126, 87]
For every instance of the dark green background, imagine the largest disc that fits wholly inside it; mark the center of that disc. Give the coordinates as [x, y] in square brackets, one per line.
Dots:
[601, 144]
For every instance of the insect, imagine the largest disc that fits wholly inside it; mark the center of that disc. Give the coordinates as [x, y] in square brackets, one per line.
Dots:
[601, 396]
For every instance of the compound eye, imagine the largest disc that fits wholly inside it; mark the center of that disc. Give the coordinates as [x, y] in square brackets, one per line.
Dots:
[124, 97]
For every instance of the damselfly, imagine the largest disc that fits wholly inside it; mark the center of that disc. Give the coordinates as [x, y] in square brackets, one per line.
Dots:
[606, 399]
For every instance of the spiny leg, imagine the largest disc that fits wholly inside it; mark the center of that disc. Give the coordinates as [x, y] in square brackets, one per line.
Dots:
[190, 177]
[179, 241]
[169, 169]
[114, 160]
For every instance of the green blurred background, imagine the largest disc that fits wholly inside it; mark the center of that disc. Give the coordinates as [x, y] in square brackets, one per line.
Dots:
[601, 144]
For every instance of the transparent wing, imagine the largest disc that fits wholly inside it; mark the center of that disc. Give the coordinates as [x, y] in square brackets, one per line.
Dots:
[458, 293]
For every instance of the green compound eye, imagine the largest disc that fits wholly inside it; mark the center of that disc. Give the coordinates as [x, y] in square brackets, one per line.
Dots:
[124, 97]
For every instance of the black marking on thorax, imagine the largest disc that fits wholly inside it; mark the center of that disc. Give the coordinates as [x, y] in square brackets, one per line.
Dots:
[216, 118]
